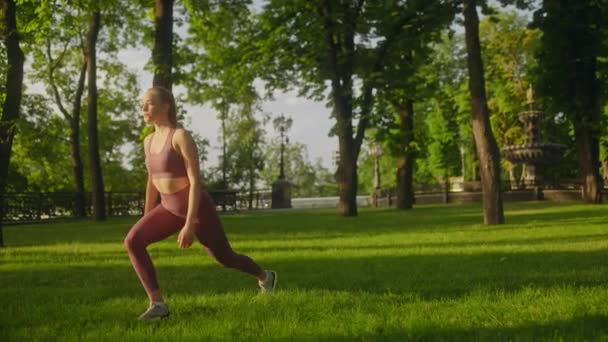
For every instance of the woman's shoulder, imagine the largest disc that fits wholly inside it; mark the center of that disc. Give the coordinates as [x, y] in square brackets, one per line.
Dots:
[181, 132]
[147, 138]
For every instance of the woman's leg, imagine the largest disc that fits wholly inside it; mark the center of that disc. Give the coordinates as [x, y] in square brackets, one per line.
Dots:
[156, 225]
[210, 233]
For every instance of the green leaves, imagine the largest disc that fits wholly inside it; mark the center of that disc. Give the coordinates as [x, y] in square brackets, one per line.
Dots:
[216, 59]
[508, 51]
[244, 142]
[55, 43]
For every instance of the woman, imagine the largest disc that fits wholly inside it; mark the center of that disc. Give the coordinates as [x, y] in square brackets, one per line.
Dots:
[173, 172]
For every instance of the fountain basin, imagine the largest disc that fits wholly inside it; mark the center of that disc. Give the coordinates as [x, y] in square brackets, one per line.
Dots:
[537, 153]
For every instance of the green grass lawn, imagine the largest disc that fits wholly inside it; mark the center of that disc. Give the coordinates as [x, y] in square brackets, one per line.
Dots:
[433, 273]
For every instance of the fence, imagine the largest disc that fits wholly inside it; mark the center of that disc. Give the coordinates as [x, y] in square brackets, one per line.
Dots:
[41, 206]
[23, 207]
[37, 206]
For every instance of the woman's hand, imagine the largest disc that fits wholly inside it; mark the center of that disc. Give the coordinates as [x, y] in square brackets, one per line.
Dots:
[186, 236]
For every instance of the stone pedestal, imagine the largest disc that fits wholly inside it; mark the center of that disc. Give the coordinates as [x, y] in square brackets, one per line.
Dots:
[281, 194]
[532, 176]
[533, 179]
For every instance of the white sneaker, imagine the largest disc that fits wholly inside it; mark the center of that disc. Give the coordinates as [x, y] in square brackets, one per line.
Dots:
[270, 283]
[155, 312]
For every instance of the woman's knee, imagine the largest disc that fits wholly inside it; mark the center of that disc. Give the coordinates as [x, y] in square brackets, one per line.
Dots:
[133, 241]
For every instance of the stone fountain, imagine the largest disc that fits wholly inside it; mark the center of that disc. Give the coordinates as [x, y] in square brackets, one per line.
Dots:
[534, 154]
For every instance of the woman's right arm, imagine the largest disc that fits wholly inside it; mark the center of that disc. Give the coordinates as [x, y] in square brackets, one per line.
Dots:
[151, 196]
[151, 191]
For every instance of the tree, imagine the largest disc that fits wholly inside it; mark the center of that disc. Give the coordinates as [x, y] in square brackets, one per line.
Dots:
[400, 83]
[215, 63]
[444, 156]
[244, 150]
[388, 163]
[97, 182]
[485, 142]
[60, 29]
[162, 52]
[57, 51]
[59, 62]
[446, 114]
[313, 44]
[99, 207]
[37, 164]
[12, 100]
[393, 126]
[573, 40]
[508, 47]
[44, 167]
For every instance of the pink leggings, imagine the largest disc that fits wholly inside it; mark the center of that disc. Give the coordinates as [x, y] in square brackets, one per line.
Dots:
[164, 220]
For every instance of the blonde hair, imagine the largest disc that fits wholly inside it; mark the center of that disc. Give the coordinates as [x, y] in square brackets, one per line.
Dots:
[164, 95]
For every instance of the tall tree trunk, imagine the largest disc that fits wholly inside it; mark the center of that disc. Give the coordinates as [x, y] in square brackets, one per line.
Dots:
[162, 53]
[586, 86]
[487, 148]
[605, 171]
[340, 50]
[340, 40]
[75, 141]
[12, 102]
[405, 171]
[96, 172]
[587, 146]
[224, 147]
[474, 161]
[74, 120]
[224, 184]
[251, 186]
[347, 176]
[573, 40]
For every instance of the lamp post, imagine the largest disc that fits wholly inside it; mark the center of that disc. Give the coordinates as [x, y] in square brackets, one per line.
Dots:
[282, 124]
[281, 188]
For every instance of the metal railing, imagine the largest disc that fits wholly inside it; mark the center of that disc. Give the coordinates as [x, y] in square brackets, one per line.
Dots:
[26, 207]
[38, 206]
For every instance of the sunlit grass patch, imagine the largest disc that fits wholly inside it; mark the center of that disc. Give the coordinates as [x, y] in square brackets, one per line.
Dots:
[431, 273]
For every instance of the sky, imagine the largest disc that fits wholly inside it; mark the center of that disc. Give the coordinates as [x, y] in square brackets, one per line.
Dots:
[311, 119]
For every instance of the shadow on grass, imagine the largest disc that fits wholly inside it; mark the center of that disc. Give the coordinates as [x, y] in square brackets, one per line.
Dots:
[59, 256]
[447, 276]
[405, 278]
[326, 224]
[443, 276]
[437, 218]
[457, 244]
[583, 328]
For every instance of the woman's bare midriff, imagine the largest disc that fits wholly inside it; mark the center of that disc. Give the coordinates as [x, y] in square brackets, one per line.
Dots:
[170, 185]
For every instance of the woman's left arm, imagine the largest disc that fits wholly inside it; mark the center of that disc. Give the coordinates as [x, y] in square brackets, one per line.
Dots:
[186, 144]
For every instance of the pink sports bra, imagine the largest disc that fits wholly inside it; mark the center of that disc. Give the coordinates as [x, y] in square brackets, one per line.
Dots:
[167, 163]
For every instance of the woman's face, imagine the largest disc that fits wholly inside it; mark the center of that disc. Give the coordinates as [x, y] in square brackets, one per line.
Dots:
[154, 111]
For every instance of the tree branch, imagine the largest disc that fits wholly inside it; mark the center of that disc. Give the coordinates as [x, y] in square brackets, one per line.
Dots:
[334, 48]
[370, 84]
[52, 65]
